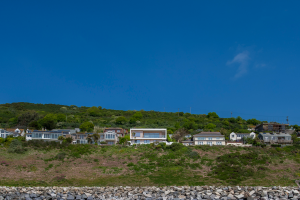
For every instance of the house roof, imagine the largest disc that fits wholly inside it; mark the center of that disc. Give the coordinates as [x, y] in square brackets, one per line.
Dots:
[209, 134]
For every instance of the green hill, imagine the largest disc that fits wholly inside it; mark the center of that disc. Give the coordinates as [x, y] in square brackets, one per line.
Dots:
[52, 116]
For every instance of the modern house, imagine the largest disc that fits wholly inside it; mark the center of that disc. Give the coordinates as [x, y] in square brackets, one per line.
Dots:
[50, 135]
[272, 127]
[147, 135]
[275, 138]
[239, 136]
[45, 135]
[209, 138]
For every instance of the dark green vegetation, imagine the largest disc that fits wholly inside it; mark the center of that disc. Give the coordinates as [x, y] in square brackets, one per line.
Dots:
[36, 116]
[50, 163]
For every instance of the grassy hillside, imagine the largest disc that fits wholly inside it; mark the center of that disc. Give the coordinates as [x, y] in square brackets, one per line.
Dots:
[59, 116]
[47, 164]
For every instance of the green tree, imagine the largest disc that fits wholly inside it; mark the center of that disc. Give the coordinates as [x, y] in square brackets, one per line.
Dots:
[61, 117]
[87, 126]
[121, 120]
[210, 126]
[96, 137]
[89, 138]
[212, 115]
[35, 125]
[132, 120]
[138, 116]
[253, 121]
[93, 111]
[124, 140]
[49, 121]
[28, 117]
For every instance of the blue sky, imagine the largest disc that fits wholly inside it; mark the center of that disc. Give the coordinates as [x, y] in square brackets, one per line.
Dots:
[223, 56]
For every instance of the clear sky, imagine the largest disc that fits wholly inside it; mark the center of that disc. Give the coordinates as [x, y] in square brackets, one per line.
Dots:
[223, 56]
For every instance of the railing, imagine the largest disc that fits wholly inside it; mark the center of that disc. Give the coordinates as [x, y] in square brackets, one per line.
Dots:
[278, 141]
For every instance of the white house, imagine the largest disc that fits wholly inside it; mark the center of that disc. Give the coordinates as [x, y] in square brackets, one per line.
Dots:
[239, 136]
[147, 135]
[209, 138]
[5, 133]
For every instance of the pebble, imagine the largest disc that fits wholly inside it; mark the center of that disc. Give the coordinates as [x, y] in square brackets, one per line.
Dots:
[150, 193]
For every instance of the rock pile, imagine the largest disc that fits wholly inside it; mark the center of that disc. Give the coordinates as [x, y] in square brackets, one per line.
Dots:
[149, 193]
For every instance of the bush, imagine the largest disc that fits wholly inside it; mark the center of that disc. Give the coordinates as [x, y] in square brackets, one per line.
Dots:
[275, 145]
[175, 146]
[61, 156]
[16, 147]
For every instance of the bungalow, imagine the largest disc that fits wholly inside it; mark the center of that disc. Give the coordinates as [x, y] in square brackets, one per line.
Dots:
[209, 138]
[275, 138]
[239, 136]
[45, 135]
[147, 135]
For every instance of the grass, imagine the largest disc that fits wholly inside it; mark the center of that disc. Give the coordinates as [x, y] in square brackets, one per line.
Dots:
[147, 165]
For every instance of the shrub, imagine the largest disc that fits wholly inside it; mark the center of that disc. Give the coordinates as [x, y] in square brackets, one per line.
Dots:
[59, 178]
[275, 145]
[61, 156]
[16, 147]
[175, 146]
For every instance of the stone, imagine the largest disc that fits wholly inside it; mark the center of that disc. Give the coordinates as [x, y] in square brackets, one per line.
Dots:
[70, 197]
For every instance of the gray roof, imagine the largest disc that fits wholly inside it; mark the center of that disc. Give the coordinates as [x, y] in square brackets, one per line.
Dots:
[209, 134]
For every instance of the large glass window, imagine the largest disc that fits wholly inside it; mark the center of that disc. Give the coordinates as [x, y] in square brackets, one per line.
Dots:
[151, 135]
[209, 143]
[147, 142]
[209, 138]
[201, 138]
[136, 134]
[200, 143]
[46, 135]
[137, 141]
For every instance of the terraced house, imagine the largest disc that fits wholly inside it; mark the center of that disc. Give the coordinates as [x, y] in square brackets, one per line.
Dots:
[209, 138]
[147, 135]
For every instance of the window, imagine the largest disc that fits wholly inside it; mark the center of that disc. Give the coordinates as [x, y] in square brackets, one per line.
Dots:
[2, 135]
[152, 135]
[147, 142]
[46, 135]
[201, 138]
[29, 135]
[110, 143]
[209, 138]
[101, 136]
[81, 137]
[200, 143]
[219, 143]
[209, 143]
[118, 131]
[137, 134]
[110, 136]
[136, 141]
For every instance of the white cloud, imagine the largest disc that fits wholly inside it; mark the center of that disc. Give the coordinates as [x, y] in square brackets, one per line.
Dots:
[241, 60]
